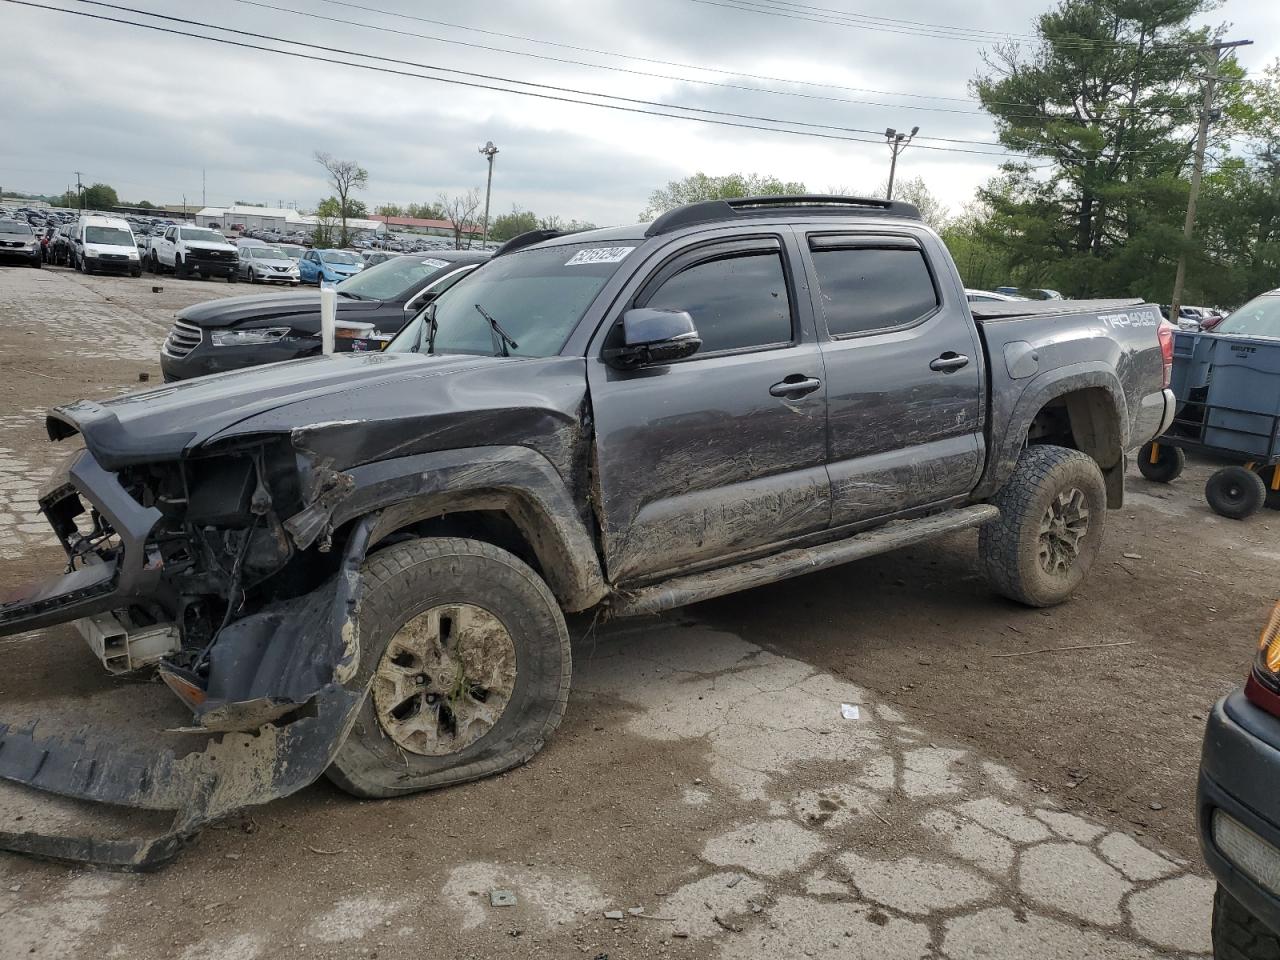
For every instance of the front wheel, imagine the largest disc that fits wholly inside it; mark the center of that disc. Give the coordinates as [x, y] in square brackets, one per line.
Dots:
[1238, 934]
[1052, 512]
[233, 276]
[179, 268]
[1161, 463]
[466, 657]
[1235, 493]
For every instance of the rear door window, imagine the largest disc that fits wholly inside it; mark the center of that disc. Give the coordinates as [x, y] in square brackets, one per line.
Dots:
[868, 284]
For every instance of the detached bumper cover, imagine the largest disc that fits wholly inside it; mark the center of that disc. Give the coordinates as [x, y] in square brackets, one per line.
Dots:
[1240, 775]
[279, 673]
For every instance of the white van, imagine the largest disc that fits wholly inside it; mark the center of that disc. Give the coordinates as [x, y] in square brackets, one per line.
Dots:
[106, 244]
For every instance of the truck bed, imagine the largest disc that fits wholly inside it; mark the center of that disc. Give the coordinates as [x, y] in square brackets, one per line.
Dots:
[990, 311]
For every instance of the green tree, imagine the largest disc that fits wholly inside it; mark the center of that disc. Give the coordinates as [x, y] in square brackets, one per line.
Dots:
[1105, 105]
[100, 196]
[914, 190]
[344, 176]
[701, 186]
[426, 211]
[508, 225]
[145, 205]
[389, 210]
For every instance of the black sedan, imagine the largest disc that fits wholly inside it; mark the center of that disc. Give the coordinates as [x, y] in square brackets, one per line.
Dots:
[1238, 809]
[238, 332]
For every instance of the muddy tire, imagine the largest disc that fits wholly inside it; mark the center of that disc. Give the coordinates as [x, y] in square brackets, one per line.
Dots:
[1170, 462]
[1052, 512]
[466, 657]
[1238, 934]
[1235, 493]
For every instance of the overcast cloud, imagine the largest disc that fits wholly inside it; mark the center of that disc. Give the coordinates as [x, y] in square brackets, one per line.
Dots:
[147, 112]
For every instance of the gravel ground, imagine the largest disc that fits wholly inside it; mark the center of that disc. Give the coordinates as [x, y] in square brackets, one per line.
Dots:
[994, 798]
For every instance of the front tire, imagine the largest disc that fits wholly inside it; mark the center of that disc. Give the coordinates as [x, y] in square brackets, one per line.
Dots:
[1052, 512]
[1238, 934]
[1235, 493]
[1168, 466]
[466, 656]
[179, 268]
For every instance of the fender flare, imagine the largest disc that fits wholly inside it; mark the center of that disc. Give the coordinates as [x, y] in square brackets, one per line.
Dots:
[1041, 391]
[515, 480]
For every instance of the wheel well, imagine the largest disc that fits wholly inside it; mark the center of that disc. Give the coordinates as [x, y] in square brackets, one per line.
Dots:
[489, 526]
[1086, 420]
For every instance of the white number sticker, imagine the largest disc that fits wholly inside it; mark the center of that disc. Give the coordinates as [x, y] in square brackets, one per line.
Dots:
[435, 264]
[599, 255]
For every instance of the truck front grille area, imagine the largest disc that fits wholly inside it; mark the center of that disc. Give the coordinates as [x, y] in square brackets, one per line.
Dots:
[182, 339]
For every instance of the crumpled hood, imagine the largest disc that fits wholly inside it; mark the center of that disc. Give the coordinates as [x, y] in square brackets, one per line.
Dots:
[286, 307]
[169, 421]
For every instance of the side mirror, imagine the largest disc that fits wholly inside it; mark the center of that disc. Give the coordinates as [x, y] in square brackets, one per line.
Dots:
[652, 337]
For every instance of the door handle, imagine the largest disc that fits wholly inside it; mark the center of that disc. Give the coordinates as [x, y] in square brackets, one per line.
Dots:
[949, 362]
[795, 386]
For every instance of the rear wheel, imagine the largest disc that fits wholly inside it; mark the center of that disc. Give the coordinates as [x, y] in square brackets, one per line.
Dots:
[466, 657]
[1167, 465]
[1235, 493]
[1052, 511]
[1238, 934]
[1268, 475]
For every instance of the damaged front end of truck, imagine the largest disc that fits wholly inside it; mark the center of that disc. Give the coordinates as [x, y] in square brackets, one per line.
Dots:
[215, 567]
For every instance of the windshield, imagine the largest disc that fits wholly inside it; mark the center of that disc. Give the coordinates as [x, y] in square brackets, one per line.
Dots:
[266, 253]
[537, 296]
[117, 236]
[392, 278]
[13, 226]
[1259, 317]
[338, 256]
[205, 236]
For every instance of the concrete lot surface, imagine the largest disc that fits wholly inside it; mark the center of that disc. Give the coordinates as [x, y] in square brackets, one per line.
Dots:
[992, 799]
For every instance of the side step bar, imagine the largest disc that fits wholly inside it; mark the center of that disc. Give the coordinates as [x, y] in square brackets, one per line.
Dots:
[792, 563]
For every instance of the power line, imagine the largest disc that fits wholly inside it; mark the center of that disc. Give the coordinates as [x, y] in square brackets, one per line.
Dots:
[934, 31]
[349, 4]
[471, 84]
[261, 4]
[577, 92]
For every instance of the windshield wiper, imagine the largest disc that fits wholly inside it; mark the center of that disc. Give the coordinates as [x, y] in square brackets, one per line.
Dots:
[501, 338]
[429, 317]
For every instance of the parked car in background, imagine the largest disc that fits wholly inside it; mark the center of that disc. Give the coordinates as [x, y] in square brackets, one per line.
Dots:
[989, 296]
[106, 244]
[294, 251]
[247, 331]
[1030, 293]
[266, 264]
[188, 250]
[372, 257]
[19, 242]
[1238, 808]
[329, 266]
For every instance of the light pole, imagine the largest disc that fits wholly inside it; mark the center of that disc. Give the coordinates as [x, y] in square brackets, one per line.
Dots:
[897, 143]
[488, 151]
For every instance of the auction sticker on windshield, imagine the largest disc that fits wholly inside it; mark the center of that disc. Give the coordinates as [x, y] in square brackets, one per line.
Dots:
[599, 255]
[435, 264]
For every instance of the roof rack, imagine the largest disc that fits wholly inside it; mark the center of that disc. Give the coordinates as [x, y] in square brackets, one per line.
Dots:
[710, 211]
[522, 240]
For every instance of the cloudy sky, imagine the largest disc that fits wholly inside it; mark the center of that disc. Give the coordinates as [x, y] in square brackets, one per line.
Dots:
[147, 112]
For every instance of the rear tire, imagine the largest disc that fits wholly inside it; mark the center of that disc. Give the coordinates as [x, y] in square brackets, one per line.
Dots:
[1273, 496]
[1170, 462]
[1235, 493]
[475, 622]
[1052, 513]
[1238, 934]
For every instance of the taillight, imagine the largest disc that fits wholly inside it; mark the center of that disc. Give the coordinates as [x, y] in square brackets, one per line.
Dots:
[1263, 687]
[1165, 333]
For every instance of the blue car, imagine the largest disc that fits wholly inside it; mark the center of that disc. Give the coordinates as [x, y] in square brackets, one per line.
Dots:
[329, 266]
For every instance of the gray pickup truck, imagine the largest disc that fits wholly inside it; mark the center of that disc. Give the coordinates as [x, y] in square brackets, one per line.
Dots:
[360, 565]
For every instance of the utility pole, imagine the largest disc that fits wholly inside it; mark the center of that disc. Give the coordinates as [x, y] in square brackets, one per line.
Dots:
[488, 151]
[1212, 54]
[897, 143]
[79, 191]
[202, 198]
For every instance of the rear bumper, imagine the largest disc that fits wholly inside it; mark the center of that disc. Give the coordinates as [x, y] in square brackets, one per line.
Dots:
[96, 584]
[1240, 777]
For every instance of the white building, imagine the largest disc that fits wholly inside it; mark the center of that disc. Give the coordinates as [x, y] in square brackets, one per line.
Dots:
[272, 218]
